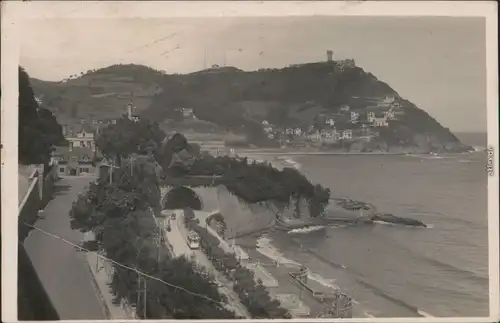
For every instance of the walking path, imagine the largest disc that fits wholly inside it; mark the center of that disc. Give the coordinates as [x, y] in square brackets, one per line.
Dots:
[62, 269]
[102, 272]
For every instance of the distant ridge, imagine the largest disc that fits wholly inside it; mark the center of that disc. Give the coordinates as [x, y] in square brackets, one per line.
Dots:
[238, 101]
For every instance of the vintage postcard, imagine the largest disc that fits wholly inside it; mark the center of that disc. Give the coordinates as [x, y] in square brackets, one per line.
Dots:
[250, 161]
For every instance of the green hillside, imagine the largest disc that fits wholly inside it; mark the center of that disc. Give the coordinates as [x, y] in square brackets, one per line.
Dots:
[238, 101]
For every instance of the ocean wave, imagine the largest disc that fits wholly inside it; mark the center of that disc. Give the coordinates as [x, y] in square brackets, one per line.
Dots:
[329, 283]
[428, 226]
[307, 229]
[424, 314]
[265, 248]
[478, 148]
[287, 161]
[392, 299]
[373, 288]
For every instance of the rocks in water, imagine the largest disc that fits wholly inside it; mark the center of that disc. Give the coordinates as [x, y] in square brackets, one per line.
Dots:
[389, 218]
[353, 205]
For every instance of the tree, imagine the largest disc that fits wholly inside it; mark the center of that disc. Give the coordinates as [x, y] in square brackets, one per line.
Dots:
[126, 137]
[38, 129]
[121, 218]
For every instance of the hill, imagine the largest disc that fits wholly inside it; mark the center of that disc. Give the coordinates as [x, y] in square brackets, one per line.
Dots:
[335, 105]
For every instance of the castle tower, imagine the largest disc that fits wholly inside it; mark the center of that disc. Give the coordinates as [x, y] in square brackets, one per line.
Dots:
[329, 55]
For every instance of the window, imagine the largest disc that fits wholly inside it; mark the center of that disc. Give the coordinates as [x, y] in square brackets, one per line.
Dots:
[61, 170]
[84, 170]
[82, 143]
[74, 159]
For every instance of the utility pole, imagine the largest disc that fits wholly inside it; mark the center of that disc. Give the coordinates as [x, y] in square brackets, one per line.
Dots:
[144, 299]
[111, 174]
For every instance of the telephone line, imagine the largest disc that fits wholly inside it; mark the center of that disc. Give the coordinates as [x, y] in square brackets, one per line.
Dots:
[124, 266]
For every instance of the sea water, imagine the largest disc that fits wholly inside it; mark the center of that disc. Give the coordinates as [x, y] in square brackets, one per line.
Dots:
[398, 270]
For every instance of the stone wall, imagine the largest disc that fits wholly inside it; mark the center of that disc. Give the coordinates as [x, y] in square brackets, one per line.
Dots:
[242, 217]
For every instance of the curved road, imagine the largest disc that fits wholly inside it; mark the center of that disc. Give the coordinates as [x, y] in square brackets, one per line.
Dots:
[64, 271]
[178, 239]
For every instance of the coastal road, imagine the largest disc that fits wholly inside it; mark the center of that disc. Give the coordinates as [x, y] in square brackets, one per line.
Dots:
[63, 270]
[178, 239]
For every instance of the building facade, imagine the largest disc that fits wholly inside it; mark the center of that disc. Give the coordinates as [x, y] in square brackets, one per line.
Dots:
[79, 157]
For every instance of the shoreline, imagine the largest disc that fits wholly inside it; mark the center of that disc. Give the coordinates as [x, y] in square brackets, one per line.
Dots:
[287, 151]
[281, 271]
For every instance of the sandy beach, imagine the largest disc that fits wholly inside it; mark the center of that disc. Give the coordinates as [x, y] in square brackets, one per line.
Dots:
[280, 272]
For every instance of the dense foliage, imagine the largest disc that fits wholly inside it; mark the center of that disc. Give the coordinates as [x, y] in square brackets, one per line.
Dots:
[252, 294]
[222, 96]
[38, 128]
[126, 137]
[257, 182]
[121, 217]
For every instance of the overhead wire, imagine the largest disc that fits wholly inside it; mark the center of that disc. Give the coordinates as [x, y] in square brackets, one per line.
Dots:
[124, 266]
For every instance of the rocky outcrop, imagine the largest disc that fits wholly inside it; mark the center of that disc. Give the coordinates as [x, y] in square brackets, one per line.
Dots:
[241, 217]
[389, 218]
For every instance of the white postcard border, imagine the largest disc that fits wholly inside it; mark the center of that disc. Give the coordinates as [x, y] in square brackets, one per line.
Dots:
[14, 12]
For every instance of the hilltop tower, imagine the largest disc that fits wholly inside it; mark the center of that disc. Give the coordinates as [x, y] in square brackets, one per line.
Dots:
[329, 55]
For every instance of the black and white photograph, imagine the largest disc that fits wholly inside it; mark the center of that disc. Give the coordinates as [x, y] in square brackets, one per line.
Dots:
[253, 160]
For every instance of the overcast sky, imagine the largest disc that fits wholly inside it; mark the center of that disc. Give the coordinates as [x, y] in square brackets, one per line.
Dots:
[437, 63]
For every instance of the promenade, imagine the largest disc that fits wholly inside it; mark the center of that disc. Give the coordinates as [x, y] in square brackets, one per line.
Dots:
[63, 270]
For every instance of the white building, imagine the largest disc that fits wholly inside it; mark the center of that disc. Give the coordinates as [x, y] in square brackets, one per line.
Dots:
[347, 134]
[389, 114]
[330, 122]
[83, 138]
[330, 135]
[354, 116]
[314, 136]
[380, 122]
[345, 108]
[371, 117]
[187, 113]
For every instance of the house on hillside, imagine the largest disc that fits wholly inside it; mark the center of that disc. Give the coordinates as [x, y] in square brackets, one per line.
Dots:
[79, 156]
[330, 135]
[354, 116]
[344, 108]
[80, 137]
[313, 136]
[345, 64]
[370, 116]
[346, 134]
[389, 115]
[330, 122]
[380, 122]
[386, 102]
[267, 127]
[188, 113]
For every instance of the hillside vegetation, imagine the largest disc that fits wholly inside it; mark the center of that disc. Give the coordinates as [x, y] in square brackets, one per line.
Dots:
[238, 101]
